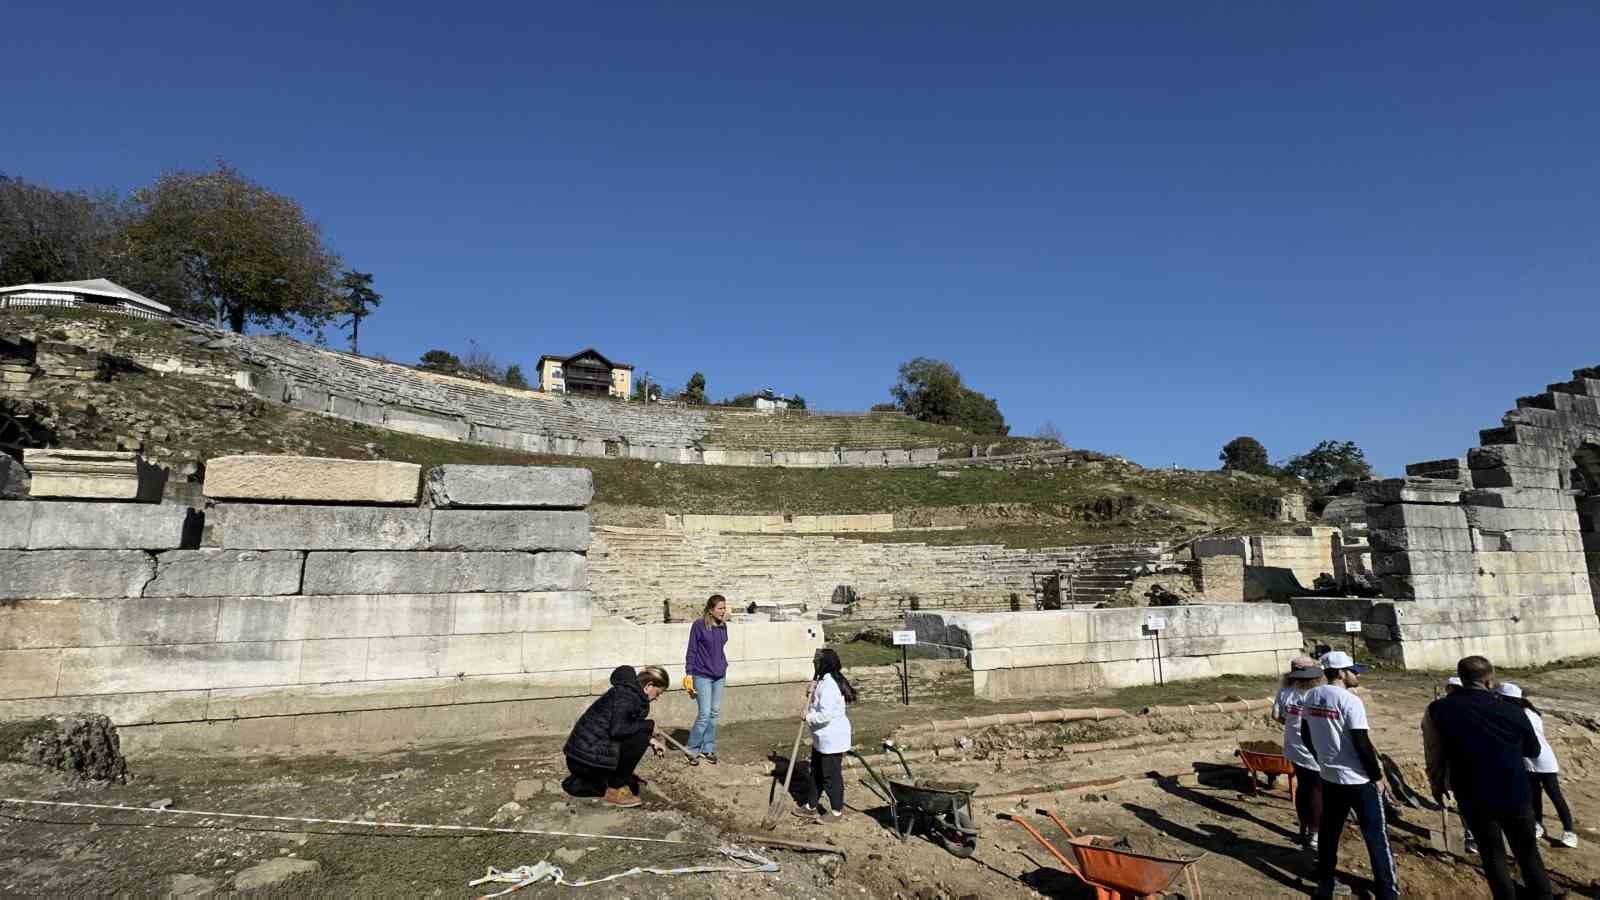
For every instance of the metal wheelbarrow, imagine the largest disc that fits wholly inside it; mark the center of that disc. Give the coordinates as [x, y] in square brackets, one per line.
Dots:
[940, 809]
[1115, 874]
[1265, 758]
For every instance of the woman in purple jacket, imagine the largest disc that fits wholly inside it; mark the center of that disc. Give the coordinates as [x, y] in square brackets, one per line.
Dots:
[707, 664]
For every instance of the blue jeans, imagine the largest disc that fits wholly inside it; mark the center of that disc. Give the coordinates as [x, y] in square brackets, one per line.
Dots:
[1338, 800]
[703, 736]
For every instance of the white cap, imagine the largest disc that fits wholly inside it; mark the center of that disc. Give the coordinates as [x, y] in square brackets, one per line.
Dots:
[1507, 689]
[1454, 681]
[1338, 659]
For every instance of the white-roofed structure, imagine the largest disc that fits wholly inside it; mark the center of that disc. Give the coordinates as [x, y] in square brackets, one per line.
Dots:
[96, 293]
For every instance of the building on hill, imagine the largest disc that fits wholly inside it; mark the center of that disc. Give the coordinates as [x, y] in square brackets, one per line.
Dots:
[585, 372]
[96, 293]
[767, 401]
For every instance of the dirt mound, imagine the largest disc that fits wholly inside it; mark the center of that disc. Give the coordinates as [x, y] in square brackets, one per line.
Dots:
[1146, 845]
[83, 745]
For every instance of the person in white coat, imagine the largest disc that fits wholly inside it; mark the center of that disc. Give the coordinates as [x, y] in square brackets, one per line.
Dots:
[1543, 770]
[830, 736]
[1304, 674]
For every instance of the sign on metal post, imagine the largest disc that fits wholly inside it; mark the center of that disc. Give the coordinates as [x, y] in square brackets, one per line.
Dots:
[1155, 624]
[1352, 628]
[904, 639]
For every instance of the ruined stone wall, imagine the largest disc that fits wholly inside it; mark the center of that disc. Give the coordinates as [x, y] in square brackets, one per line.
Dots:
[1027, 654]
[1277, 566]
[633, 570]
[328, 604]
[1493, 553]
[782, 524]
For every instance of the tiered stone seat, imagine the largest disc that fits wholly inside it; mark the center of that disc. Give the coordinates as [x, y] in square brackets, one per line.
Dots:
[746, 430]
[633, 570]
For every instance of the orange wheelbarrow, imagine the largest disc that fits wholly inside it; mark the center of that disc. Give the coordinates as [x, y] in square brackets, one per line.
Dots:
[1265, 758]
[1114, 874]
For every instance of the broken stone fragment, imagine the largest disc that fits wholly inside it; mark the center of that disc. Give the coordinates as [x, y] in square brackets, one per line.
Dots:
[84, 745]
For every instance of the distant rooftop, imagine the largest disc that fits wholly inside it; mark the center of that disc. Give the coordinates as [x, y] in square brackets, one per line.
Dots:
[94, 287]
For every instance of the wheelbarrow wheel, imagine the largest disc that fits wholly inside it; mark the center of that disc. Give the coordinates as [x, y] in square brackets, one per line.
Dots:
[956, 840]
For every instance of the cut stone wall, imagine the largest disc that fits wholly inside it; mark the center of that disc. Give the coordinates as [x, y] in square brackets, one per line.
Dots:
[1278, 566]
[781, 524]
[632, 570]
[1027, 654]
[1487, 553]
[319, 626]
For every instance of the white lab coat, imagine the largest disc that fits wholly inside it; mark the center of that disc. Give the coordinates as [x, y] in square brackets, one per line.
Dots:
[830, 726]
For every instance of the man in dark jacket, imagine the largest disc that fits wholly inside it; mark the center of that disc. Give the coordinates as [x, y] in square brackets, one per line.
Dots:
[610, 738]
[1477, 747]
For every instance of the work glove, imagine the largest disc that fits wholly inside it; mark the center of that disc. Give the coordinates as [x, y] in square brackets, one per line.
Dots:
[688, 685]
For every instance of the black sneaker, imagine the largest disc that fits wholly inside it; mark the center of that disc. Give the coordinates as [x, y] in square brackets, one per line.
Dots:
[710, 758]
[806, 812]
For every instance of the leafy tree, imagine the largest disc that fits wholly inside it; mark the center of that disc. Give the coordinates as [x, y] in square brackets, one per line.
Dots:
[247, 254]
[1245, 454]
[356, 300]
[515, 378]
[885, 407]
[441, 361]
[48, 235]
[797, 402]
[1329, 463]
[694, 393]
[930, 390]
[645, 390]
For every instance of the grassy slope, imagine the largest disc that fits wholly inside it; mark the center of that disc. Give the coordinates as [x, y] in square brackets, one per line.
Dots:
[1029, 507]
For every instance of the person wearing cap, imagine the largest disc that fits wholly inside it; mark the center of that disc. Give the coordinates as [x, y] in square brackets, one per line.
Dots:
[1333, 725]
[1304, 674]
[1452, 684]
[1543, 770]
[1476, 748]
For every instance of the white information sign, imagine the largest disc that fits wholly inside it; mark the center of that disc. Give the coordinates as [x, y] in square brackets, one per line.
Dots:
[1352, 627]
[1155, 623]
[901, 638]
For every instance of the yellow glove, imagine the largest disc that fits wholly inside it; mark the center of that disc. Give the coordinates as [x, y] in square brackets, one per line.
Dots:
[688, 685]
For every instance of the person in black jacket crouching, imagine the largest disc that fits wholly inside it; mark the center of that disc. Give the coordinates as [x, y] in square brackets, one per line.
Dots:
[612, 735]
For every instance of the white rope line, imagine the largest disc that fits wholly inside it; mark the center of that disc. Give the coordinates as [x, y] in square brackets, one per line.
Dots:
[415, 826]
[523, 876]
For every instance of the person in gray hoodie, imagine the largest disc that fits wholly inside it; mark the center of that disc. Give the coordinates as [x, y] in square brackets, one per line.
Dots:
[830, 736]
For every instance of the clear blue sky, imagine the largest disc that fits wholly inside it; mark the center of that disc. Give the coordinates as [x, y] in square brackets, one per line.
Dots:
[1157, 225]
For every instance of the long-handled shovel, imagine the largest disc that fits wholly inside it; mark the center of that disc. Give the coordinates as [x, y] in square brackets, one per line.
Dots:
[679, 747]
[781, 802]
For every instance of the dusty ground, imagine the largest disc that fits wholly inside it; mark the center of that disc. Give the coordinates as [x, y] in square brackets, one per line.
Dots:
[1095, 775]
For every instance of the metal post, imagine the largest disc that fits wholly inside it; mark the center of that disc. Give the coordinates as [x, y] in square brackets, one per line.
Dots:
[905, 677]
[1161, 675]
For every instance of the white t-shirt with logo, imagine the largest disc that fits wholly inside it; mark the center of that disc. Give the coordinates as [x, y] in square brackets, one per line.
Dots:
[1331, 713]
[1288, 707]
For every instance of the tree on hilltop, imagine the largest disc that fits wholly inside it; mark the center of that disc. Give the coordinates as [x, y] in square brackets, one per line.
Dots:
[515, 378]
[247, 254]
[441, 361]
[694, 393]
[1329, 463]
[1245, 454]
[356, 300]
[930, 390]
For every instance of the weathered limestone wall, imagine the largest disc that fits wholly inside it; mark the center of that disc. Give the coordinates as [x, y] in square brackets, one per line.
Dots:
[1277, 566]
[373, 623]
[1491, 553]
[1026, 654]
[780, 524]
[633, 570]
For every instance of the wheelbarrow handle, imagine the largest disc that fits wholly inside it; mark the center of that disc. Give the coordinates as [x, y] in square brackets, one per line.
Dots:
[1059, 824]
[1045, 843]
[881, 788]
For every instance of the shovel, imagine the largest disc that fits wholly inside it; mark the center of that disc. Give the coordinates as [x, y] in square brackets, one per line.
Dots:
[780, 803]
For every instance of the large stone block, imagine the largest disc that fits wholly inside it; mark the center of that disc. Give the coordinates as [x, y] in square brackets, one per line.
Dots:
[441, 572]
[94, 475]
[493, 529]
[170, 667]
[226, 573]
[111, 526]
[311, 479]
[524, 487]
[29, 673]
[251, 526]
[1410, 490]
[553, 611]
[326, 618]
[16, 518]
[30, 574]
[34, 624]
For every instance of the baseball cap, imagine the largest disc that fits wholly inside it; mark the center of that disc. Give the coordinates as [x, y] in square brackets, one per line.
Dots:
[1339, 659]
[1311, 671]
[1454, 681]
[1507, 689]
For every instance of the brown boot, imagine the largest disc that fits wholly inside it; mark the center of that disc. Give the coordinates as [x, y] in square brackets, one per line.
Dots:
[621, 797]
